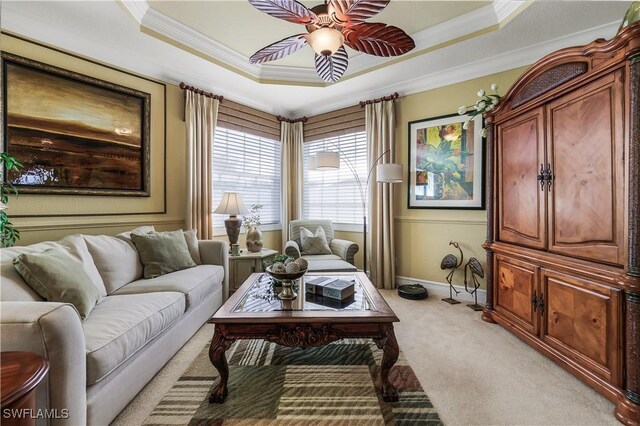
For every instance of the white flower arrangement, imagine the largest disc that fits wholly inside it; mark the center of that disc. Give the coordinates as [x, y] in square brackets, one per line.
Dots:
[486, 103]
[253, 217]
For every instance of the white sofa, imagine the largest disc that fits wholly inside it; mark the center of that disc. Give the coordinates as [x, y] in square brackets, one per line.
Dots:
[98, 365]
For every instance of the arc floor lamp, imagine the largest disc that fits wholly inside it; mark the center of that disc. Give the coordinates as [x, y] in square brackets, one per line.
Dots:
[385, 173]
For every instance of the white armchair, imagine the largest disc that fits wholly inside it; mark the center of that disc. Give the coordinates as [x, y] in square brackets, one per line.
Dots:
[342, 254]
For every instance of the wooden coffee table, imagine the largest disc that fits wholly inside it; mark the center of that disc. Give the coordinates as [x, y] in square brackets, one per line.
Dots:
[255, 312]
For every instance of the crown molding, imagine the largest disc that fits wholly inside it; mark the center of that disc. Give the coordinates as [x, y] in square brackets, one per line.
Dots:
[491, 65]
[154, 23]
[486, 18]
[100, 49]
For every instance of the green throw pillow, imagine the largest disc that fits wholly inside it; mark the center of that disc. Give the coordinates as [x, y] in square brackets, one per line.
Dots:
[58, 277]
[162, 252]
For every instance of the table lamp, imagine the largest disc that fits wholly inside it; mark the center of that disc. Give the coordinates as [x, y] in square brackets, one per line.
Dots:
[232, 205]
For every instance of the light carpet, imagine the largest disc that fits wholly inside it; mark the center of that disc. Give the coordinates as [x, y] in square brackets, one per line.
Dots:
[336, 384]
[475, 373]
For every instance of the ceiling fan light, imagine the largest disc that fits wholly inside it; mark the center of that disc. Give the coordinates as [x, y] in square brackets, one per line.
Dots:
[325, 41]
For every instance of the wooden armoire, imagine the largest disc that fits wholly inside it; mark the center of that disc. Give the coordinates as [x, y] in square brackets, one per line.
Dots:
[563, 240]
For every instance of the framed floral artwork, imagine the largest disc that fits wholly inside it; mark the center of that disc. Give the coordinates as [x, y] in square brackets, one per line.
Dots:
[446, 163]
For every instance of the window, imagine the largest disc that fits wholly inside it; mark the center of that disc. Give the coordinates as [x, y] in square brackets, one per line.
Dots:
[334, 194]
[249, 165]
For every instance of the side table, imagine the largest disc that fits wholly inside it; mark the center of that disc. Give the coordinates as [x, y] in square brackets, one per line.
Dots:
[20, 374]
[247, 263]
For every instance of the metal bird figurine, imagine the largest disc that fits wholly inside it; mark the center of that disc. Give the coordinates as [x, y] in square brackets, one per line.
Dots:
[476, 270]
[450, 261]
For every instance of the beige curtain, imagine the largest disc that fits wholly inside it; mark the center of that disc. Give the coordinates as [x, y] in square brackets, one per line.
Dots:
[380, 125]
[201, 113]
[291, 136]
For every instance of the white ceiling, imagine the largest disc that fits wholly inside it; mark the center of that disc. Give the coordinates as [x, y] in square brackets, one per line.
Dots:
[244, 29]
[107, 31]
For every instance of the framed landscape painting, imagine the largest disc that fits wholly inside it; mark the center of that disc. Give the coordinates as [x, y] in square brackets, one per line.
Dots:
[446, 163]
[74, 134]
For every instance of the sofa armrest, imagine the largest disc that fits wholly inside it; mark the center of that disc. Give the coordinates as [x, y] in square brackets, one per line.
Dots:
[291, 249]
[345, 249]
[215, 252]
[54, 331]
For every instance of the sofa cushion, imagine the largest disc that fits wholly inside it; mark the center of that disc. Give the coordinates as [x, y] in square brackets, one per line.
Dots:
[195, 283]
[126, 236]
[162, 252]
[329, 265]
[121, 325]
[78, 248]
[117, 260]
[191, 237]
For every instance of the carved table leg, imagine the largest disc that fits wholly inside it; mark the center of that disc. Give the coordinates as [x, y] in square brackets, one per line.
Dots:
[389, 345]
[219, 344]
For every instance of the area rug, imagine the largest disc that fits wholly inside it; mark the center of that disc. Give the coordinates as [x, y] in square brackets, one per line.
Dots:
[337, 384]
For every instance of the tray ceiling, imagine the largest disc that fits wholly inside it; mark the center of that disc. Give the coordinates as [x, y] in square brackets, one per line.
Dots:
[135, 37]
[242, 28]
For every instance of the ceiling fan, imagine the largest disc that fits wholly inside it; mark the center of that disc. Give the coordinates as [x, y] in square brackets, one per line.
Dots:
[330, 26]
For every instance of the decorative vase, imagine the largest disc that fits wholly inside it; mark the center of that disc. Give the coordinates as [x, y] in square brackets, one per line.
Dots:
[632, 15]
[254, 239]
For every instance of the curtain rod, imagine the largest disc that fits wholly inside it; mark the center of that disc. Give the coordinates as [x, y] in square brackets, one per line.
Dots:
[384, 98]
[184, 86]
[291, 120]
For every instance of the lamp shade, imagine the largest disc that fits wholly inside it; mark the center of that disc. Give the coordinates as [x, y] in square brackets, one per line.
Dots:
[231, 204]
[325, 41]
[313, 163]
[389, 173]
[327, 160]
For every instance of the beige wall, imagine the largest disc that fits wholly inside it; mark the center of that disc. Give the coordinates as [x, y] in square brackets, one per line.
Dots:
[51, 228]
[422, 235]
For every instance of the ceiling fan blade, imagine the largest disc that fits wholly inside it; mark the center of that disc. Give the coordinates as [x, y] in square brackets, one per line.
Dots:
[331, 67]
[279, 49]
[378, 39]
[289, 10]
[353, 11]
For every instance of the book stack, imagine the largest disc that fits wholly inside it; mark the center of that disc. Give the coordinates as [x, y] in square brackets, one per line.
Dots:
[329, 302]
[332, 287]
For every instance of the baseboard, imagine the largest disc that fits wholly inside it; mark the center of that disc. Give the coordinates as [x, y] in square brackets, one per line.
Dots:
[440, 290]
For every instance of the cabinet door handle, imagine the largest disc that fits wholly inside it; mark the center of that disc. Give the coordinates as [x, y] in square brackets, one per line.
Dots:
[548, 176]
[541, 304]
[541, 177]
[534, 301]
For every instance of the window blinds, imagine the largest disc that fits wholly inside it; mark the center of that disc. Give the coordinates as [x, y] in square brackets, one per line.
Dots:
[334, 194]
[249, 165]
[342, 122]
[235, 116]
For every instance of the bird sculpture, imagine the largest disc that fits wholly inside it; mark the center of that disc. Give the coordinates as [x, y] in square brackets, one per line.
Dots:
[476, 271]
[451, 262]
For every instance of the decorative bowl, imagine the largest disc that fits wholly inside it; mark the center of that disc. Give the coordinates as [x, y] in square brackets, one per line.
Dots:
[287, 279]
[284, 276]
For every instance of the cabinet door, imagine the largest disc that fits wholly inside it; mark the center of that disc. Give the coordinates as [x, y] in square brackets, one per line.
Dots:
[243, 268]
[586, 147]
[582, 320]
[521, 202]
[517, 291]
